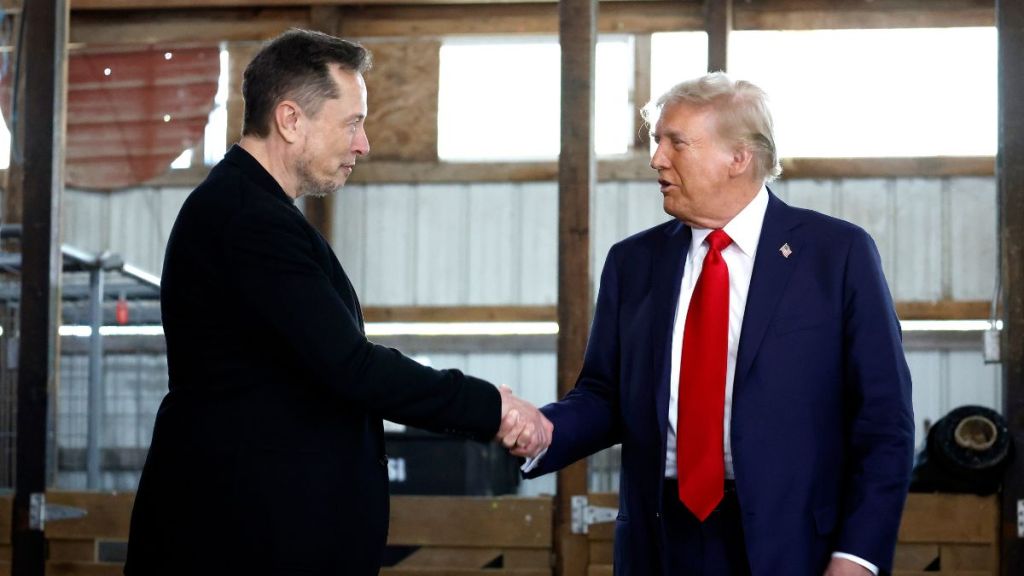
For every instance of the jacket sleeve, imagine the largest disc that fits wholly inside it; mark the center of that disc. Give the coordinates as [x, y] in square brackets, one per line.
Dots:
[587, 419]
[272, 264]
[881, 419]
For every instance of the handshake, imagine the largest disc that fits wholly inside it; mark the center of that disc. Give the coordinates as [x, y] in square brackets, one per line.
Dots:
[523, 430]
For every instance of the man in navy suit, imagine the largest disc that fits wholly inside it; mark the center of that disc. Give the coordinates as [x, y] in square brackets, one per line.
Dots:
[748, 358]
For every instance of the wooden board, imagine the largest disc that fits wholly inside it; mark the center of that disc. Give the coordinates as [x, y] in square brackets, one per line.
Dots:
[470, 522]
[402, 99]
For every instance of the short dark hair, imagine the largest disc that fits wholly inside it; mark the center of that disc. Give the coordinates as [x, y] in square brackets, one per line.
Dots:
[295, 66]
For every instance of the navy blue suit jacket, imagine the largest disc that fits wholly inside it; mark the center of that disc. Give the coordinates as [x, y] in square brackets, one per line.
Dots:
[822, 424]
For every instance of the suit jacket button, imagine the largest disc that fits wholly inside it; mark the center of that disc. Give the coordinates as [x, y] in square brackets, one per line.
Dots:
[657, 515]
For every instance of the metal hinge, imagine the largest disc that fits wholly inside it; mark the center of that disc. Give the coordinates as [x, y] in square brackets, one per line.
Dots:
[583, 515]
[1020, 518]
[39, 512]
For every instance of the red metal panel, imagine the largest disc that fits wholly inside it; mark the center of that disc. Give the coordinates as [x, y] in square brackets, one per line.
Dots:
[132, 111]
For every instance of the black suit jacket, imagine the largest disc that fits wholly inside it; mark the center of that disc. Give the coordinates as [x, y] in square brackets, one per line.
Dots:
[268, 453]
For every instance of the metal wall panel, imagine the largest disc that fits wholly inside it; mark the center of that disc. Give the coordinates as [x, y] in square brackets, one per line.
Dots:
[134, 223]
[479, 244]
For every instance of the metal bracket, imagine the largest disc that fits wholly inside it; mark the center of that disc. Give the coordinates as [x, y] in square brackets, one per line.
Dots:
[1020, 518]
[583, 515]
[39, 512]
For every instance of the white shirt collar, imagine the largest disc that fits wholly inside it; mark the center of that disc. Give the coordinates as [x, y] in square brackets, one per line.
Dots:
[744, 228]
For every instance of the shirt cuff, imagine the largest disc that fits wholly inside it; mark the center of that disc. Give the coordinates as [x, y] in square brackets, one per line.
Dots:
[858, 560]
[532, 463]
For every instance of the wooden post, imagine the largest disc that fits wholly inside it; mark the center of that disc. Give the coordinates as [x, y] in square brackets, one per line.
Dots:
[718, 25]
[239, 56]
[577, 174]
[1010, 183]
[320, 211]
[44, 61]
[641, 90]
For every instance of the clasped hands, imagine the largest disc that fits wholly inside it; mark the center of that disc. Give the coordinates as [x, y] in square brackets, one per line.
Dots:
[524, 430]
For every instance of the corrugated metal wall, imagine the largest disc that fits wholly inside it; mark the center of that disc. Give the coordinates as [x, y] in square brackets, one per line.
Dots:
[481, 244]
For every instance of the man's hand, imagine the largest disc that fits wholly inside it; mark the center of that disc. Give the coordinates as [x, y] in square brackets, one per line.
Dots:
[524, 430]
[844, 567]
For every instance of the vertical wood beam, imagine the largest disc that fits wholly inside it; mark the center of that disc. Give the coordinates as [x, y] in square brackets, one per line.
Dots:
[641, 89]
[239, 56]
[719, 25]
[1010, 185]
[577, 175]
[44, 63]
[320, 211]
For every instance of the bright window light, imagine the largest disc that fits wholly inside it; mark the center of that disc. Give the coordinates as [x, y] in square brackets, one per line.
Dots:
[183, 161]
[676, 56]
[499, 98]
[875, 93]
[460, 328]
[215, 139]
[5, 144]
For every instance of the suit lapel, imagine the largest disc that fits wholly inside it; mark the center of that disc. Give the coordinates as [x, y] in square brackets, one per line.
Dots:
[666, 276]
[771, 274]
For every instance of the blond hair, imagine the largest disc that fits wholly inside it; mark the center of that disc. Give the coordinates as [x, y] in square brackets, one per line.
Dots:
[741, 111]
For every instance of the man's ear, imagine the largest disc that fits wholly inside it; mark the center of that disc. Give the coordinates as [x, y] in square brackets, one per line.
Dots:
[287, 120]
[742, 156]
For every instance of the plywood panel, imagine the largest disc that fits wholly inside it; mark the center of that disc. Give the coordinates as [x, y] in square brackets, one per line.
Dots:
[949, 518]
[464, 521]
[108, 515]
[402, 99]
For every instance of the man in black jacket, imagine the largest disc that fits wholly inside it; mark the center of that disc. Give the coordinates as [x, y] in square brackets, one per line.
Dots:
[268, 451]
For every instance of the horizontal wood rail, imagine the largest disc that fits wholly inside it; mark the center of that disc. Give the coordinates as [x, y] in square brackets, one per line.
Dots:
[908, 310]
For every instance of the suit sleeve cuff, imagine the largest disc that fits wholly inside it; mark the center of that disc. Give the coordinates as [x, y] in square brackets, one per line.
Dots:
[532, 463]
[858, 560]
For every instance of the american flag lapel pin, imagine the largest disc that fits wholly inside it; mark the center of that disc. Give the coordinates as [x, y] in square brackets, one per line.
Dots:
[785, 250]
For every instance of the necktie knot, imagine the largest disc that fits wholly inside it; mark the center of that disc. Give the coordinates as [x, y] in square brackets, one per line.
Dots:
[718, 240]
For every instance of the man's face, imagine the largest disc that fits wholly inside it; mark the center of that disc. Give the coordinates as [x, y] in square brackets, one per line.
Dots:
[334, 137]
[693, 163]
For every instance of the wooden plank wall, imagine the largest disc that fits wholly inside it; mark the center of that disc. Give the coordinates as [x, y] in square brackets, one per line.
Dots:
[951, 534]
[450, 535]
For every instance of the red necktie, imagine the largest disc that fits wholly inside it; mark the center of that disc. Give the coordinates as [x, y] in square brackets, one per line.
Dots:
[702, 372]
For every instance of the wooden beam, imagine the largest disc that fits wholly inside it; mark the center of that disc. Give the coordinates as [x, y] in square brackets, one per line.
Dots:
[184, 26]
[615, 17]
[632, 168]
[1010, 190]
[843, 14]
[641, 143]
[157, 21]
[577, 178]
[927, 167]
[943, 310]
[44, 64]
[905, 309]
[460, 313]
[719, 26]
[239, 56]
